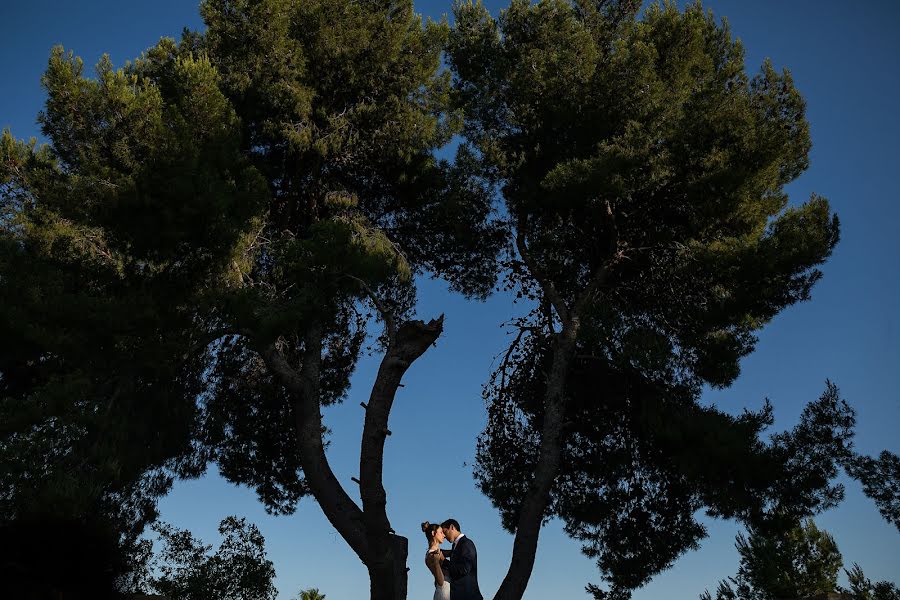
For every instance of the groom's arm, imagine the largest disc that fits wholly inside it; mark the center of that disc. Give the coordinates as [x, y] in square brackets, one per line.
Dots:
[463, 560]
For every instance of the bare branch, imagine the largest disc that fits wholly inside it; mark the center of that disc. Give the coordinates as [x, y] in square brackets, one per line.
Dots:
[504, 364]
[412, 340]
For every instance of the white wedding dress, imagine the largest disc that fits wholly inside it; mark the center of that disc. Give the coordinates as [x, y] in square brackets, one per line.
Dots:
[441, 592]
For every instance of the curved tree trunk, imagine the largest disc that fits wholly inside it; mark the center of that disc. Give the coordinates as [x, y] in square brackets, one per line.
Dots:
[387, 566]
[366, 530]
[340, 510]
[537, 498]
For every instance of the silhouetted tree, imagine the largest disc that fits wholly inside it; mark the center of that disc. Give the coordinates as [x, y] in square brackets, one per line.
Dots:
[642, 172]
[190, 267]
[238, 570]
[800, 562]
[216, 221]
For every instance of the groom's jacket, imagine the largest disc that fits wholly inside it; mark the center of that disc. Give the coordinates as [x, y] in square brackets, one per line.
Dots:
[463, 569]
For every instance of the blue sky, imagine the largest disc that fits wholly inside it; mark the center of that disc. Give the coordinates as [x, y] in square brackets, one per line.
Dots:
[843, 58]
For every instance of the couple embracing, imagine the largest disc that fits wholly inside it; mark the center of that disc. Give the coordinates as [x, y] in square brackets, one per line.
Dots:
[456, 571]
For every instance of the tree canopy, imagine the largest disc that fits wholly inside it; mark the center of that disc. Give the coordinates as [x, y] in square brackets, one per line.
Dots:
[643, 172]
[191, 263]
[238, 570]
[97, 393]
[191, 266]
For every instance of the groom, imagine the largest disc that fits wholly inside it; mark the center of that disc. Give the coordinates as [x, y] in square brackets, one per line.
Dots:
[462, 564]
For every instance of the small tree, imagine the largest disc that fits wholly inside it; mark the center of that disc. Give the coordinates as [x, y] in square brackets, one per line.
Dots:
[239, 569]
[862, 588]
[311, 594]
[800, 562]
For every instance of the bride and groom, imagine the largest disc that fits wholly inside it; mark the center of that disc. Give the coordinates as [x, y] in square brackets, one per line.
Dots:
[455, 571]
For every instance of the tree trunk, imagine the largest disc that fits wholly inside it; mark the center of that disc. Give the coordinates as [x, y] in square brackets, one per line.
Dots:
[401, 552]
[388, 578]
[534, 506]
[340, 510]
[367, 530]
[387, 567]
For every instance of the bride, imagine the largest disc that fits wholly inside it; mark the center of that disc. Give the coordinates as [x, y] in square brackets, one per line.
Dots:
[433, 559]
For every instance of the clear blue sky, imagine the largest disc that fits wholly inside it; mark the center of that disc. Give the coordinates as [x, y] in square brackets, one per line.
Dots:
[844, 59]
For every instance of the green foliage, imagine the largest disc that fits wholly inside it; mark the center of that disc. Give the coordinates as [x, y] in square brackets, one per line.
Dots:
[216, 195]
[238, 570]
[637, 469]
[111, 238]
[802, 563]
[342, 107]
[81, 375]
[881, 482]
[798, 562]
[658, 120]
[643, 172]
[862, 588]
[154, 163]
[311, 594]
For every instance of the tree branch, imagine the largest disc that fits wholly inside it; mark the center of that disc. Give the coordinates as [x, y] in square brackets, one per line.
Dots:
[211, 337]
[598, 278]
[304, 388]
[546, 285]
[504, 364]
[386, 314]
[412, 340]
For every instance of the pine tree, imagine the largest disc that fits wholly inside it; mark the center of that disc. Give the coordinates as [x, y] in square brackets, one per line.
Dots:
[216, 221]
[802, 561]
[642, 171]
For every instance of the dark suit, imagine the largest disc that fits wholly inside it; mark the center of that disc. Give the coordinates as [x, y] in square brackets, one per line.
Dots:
[463, 569]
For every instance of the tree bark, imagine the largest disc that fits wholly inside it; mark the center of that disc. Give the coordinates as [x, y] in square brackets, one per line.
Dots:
[534, 506]
[340, 510]
[367, 530]
[387, 567]
[537, 498]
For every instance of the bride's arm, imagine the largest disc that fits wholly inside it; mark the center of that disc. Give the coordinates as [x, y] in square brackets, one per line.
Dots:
[434, 564]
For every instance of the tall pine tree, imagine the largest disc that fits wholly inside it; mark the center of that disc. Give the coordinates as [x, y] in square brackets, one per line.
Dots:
[643, 174]
[191, 262]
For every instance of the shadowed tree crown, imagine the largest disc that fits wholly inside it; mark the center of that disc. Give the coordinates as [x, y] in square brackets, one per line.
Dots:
[638, 161]
[642, 171]
[342, 106]
[190, 264]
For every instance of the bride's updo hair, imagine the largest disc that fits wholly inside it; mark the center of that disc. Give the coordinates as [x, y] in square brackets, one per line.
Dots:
[430, 529]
